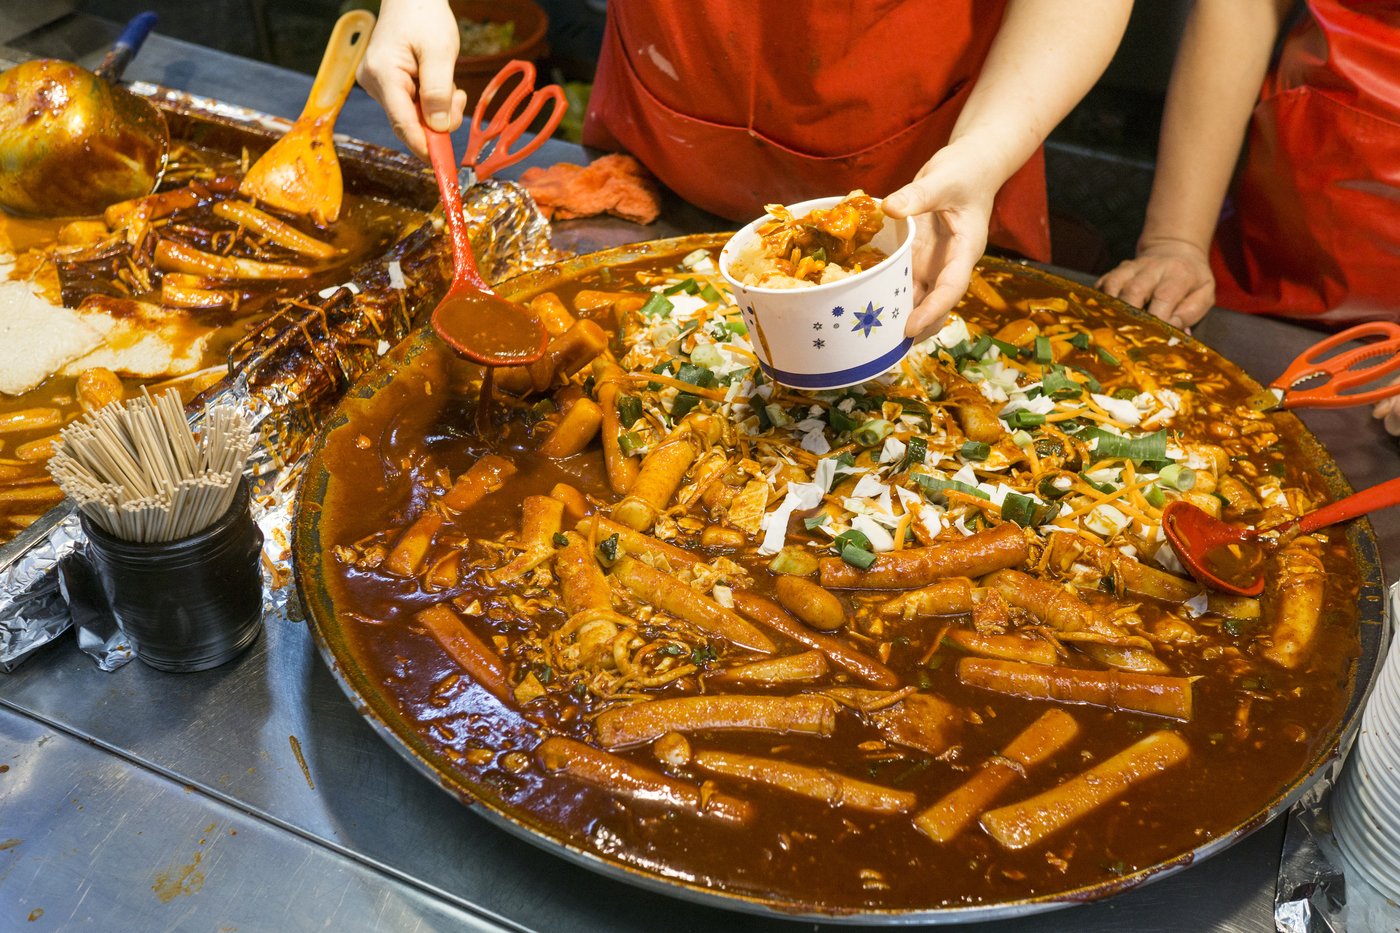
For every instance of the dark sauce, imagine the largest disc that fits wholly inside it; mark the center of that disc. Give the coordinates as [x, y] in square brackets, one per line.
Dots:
[486, 327]
[798, 851]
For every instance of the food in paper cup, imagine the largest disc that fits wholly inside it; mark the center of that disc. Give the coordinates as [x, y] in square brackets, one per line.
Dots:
[825, 288]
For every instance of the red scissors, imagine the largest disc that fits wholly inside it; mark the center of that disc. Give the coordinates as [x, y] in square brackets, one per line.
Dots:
[1338, 372]
[509, 122]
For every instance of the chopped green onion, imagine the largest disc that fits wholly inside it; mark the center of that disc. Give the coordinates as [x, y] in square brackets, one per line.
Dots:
[1100, 487]
[854, 548]
[932, 486]
[1147, 447]
[794, 561]
[682, 404]
[629, 409]
[560, 540]
[1053, 487]
[975, 450]
[980, 347]
[840, 421]
[915, 452]
[1126, 393]
[707, 356]
[1059, 386]
[872, 432]
[1107, 357]
[1019, 509]
[737, 327]
[1044, 352]
[820, 254]
[1177, 476]
[1155, 496]
[1080, 341]
[777, 416]
[1007, 349]
[1021, 418]
[609, 550]
[710, 293]
[759, 409]
[1021, 438]
[1184, 385]
[960, 350]
[689, 286]
[1090, 383]
[658, 305]
[631, 442]
[816, 521]
[696, 375]
[660, 369]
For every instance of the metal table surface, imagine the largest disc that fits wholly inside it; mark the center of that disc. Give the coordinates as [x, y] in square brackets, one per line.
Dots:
[254, 797]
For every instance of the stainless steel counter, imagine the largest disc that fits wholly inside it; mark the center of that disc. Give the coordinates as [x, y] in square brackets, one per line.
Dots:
[254, 797]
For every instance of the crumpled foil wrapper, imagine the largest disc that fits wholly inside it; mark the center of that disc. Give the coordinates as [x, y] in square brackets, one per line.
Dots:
[1318, 890]
[286, 376]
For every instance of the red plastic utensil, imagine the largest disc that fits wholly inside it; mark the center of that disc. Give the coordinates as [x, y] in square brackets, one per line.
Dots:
[1338, 372]
[510, 121]
[1198, 539]
[471, 318]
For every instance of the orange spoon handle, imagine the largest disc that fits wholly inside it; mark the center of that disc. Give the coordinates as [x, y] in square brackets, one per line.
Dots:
[336, 75]
[444, 163]
[1380, 496]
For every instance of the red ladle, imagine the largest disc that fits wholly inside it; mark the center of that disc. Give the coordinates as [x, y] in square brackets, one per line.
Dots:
[1199, 540]
[471, 318]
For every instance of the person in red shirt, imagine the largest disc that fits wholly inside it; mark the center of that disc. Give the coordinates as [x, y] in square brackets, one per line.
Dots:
[735, 103]
[1312, 230]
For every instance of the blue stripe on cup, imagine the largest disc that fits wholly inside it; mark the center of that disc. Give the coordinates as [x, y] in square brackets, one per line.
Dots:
[841, 377]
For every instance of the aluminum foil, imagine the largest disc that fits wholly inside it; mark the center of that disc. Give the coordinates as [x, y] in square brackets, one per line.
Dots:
[286, 377]
[1318, 891]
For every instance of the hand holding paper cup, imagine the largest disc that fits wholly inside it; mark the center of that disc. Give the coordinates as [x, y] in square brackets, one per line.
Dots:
[818, 324]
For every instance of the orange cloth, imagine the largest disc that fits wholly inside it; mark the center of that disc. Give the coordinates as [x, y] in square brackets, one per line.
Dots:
[612, 184]
[736, 103]
[1314, 227]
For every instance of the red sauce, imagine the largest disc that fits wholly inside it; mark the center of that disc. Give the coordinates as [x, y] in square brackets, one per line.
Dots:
[488, 328]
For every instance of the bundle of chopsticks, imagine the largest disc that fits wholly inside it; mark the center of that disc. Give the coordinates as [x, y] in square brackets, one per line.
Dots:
[138, 471]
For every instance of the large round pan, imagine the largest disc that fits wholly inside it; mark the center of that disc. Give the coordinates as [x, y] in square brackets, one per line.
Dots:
[404, 734]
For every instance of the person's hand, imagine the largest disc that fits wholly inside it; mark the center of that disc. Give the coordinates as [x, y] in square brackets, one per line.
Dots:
[950, 202]
[1171, 279]
[410, 59]
[1388, 411]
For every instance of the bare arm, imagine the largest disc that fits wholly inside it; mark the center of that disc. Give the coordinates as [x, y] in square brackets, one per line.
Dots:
[1219, 67]
[411, 56]
[1046, 55]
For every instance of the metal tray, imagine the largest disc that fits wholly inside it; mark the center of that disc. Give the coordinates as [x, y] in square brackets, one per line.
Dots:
[404, 736]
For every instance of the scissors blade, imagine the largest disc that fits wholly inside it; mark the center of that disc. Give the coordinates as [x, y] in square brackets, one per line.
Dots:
[1271, 399]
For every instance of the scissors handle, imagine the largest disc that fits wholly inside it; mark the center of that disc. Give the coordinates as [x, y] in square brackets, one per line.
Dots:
[510, 121]
[1335, 374]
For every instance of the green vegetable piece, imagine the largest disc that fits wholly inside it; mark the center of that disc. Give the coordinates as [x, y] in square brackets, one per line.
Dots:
[1177, 476]
[1019, 509]
[1021, 418]
[976, 450]
[1044, 352]
[980, 347]
[1080, 341]
[710, 293]
[915, 452]
[1146, 447]
[631, 442]
[682, 404]
[629, 409]
[658, 305]
[871, 432]
[1107, 357]
[794, 561]
[854, 548]
[1059, 386]
[560, 540]
[689, 286]
[816, 521]
[1155, 496]
[840, 421]
[609, 550]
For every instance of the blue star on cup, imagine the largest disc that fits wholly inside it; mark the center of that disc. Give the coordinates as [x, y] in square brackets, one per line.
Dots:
[869, 319]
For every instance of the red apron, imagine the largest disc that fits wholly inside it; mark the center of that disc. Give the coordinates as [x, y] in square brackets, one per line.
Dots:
[738, 103]
[1315, 226]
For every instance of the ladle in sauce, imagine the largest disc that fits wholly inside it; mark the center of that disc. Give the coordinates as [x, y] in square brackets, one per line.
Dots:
[1231, 559]
[471, 318]
[72, 141]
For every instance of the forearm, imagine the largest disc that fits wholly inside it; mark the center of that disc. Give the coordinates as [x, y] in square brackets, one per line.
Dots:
[1220, 65]
[1046, 56]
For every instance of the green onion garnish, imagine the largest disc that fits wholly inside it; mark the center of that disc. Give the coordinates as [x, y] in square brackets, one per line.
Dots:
[1021, 418]
[1044, 352]
[975, 450]
[629, 410]
[658, 305]
[915, 452]
[854, 548]
[1177, 476]
[871, 432]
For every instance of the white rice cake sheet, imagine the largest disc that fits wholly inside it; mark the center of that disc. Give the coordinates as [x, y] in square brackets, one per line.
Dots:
[144, 341]
[37, 338]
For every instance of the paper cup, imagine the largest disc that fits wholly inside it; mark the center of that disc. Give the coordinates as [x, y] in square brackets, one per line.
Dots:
[834, 335]
[1366, 805]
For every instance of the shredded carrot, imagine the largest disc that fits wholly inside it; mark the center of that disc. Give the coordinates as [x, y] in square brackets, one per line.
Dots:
[901, 531]
[713, 394]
